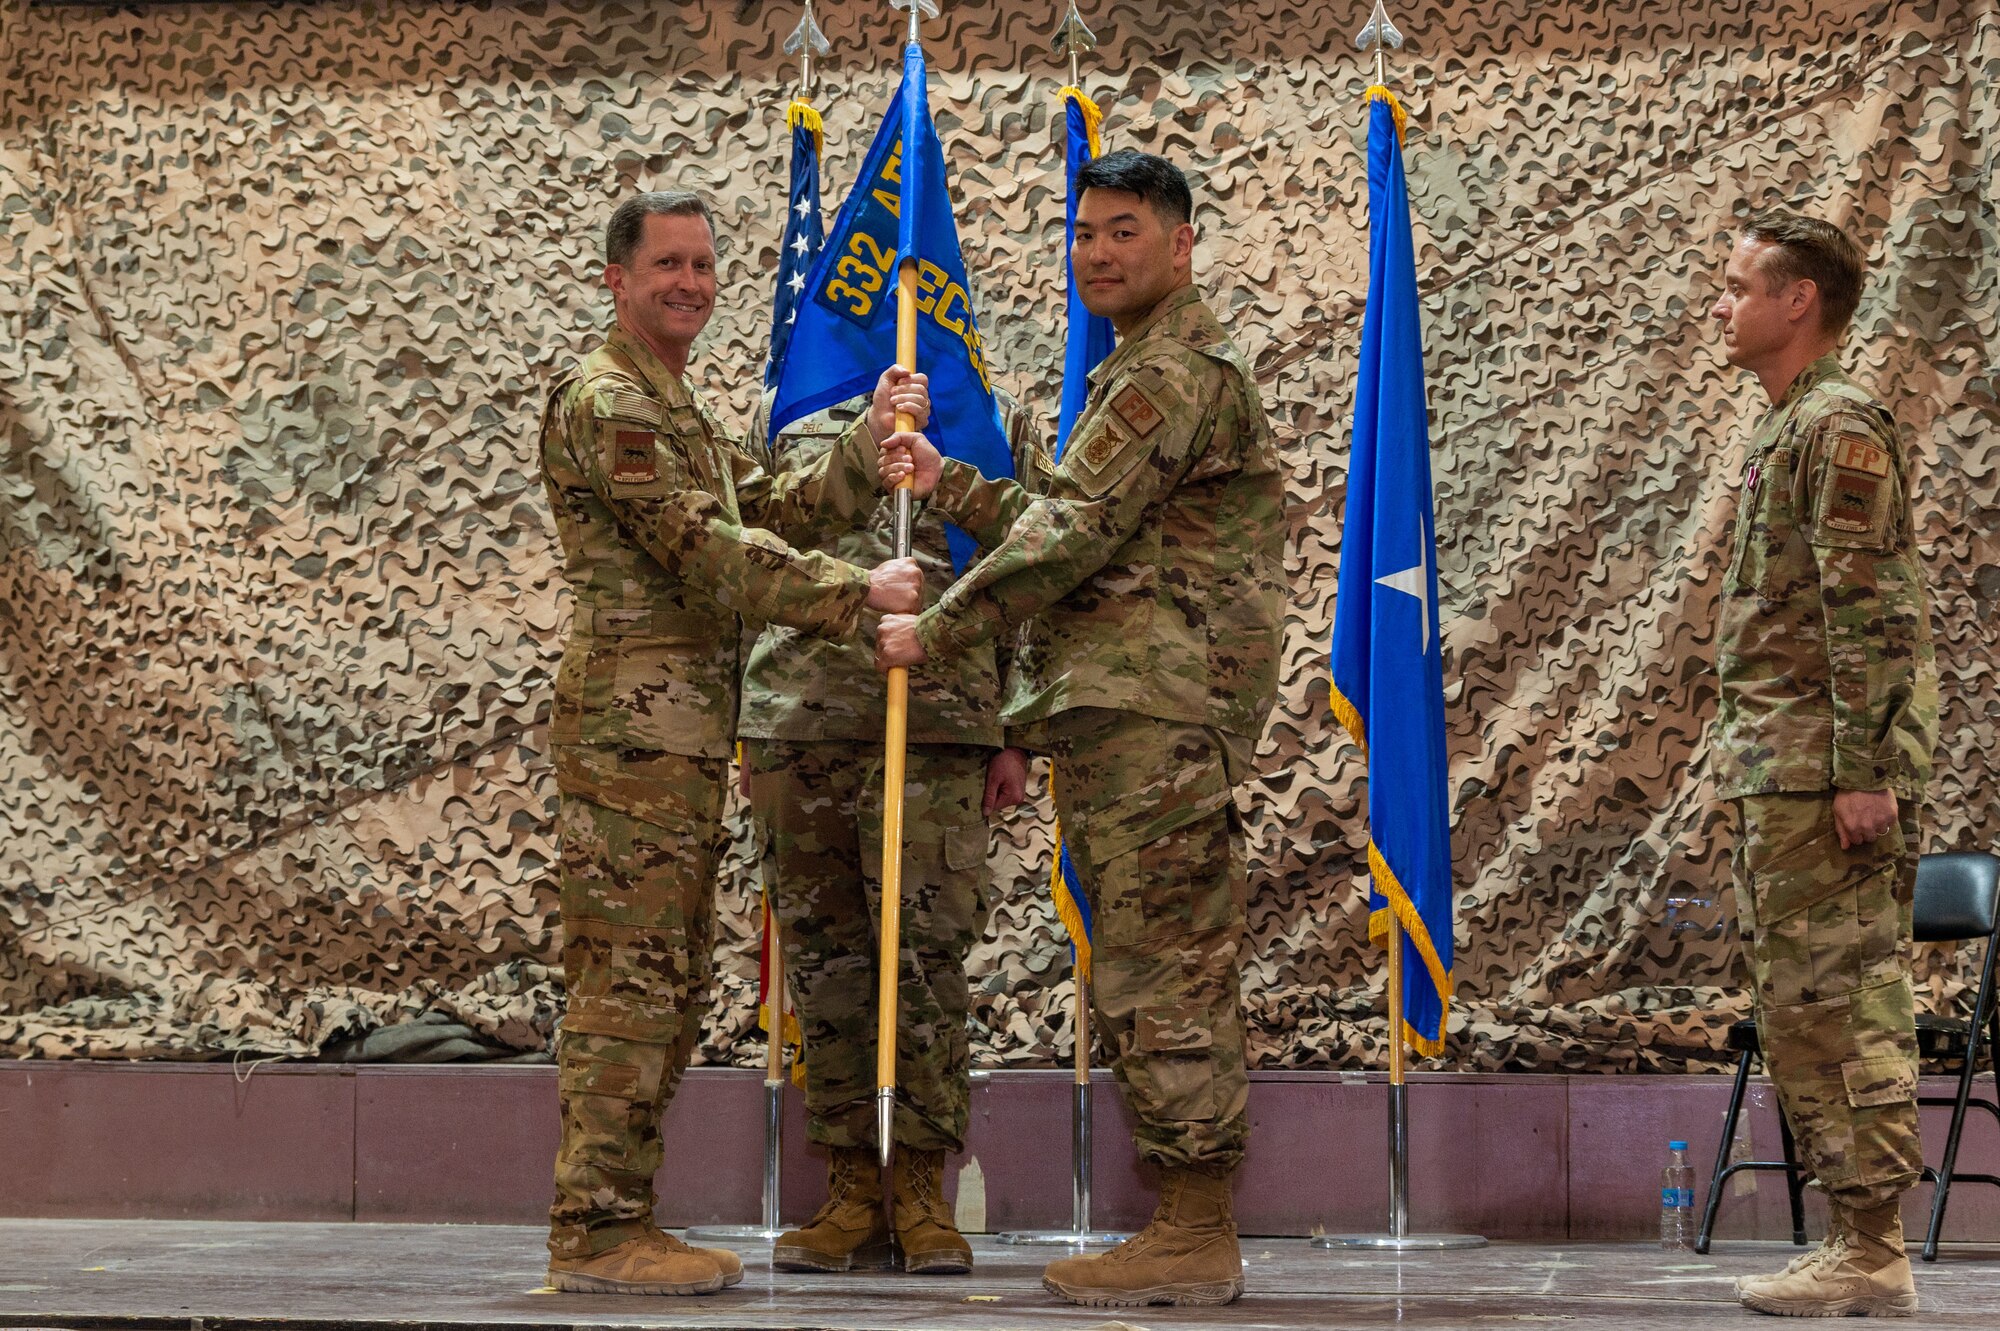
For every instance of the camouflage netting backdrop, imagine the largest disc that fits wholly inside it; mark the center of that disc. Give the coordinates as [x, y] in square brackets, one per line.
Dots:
[281, 287]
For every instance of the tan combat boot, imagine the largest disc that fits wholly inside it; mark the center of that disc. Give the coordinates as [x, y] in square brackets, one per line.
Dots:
[1860, 1271]
[848, 1233]
[1187, 1255]
[931, 1243]
[652, 1263]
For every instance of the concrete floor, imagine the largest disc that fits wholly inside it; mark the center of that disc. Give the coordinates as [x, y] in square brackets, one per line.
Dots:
[317, 1277]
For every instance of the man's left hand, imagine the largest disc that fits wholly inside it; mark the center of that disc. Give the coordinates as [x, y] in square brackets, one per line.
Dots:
[1859, 816]
[899, 390]
[1006, 781]
[896, 643]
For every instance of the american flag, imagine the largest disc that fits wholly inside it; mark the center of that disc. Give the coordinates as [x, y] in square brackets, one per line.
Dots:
[804, 232]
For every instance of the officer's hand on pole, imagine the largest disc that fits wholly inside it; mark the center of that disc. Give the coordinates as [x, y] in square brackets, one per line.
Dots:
[896, 587]
[896, 643]
[910, 455]
[1859, 816]
[899, 391]
[1006, 781]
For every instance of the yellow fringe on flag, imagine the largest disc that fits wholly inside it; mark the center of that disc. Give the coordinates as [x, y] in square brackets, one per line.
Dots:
[1391, 887]
[1378, 93]
[1093, 119]
[1066, 907]
[799, 113]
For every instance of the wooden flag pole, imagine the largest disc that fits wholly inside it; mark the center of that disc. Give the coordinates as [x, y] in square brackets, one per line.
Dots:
[895, 741]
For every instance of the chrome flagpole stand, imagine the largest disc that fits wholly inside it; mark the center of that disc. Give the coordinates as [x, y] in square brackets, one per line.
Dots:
[1399, 1238]
[1079, 1234]
[774, 1108]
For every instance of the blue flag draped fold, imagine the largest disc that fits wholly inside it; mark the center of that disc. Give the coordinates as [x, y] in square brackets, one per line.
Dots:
[804, 233]
[1088, 341]
[1388, 674]
[845, 335]
[1089, 337]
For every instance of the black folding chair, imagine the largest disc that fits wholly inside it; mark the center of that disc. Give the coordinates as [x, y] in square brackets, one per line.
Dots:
[1958, 899]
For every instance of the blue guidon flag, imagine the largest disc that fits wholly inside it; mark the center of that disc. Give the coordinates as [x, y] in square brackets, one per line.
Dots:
[1088, 341]
[845, 335]
[804, 232]
[1388, 672]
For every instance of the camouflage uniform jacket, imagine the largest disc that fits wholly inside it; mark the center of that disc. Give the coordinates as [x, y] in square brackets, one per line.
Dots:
[1149, 574]
[796, 687]
[659, 512]
[1824, 655]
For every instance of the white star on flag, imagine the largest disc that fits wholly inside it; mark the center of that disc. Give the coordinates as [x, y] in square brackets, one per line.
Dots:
[798, 282]
[1415, 582]
[802, 244]
[805, 208]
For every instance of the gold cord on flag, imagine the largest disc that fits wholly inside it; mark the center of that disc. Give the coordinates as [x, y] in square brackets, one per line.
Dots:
[800, 114]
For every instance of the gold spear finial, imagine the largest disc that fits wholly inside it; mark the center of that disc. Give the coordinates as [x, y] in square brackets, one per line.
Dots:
[808, 43]
[1073, 38]
[1380, 34]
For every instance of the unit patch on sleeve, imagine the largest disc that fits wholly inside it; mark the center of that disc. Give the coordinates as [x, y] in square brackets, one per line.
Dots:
[1138, 413]
[633, 460]
[1853, 453]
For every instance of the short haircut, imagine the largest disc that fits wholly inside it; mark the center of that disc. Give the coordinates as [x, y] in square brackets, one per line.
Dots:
[1154, 179]
[1807, 249]
[628, 223]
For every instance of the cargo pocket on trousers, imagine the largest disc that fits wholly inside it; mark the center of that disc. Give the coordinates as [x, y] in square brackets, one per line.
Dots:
[965, 847]
[1175, 1073]
[598, 1113]
[1886, 1080]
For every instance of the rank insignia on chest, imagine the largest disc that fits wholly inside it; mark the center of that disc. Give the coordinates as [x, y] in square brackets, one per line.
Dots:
[1140, 415]
[632, 459]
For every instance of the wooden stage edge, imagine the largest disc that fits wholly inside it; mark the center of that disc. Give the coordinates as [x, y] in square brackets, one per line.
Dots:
[1545, 1159]
[210, 1276]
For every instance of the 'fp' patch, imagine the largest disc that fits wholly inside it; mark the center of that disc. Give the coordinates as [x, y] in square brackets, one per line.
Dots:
[1140, 415]
[632, 457]
[1856, 454]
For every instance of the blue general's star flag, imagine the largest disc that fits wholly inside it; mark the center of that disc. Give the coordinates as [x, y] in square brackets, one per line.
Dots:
[804, 232]
[1388, 672]
[846, 331]
[1089, 340]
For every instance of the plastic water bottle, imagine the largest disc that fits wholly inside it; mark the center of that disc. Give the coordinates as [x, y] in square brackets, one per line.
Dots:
[1677, 1201]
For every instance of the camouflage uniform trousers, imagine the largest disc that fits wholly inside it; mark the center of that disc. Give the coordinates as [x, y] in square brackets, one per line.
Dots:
[820, 802]
[1828, 936]
[638, 920]
[1146, 813]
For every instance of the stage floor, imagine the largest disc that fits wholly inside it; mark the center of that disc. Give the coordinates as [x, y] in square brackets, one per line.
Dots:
[316, 1277]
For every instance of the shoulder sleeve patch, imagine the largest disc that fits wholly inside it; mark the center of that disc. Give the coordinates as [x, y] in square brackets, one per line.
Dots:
[1133, 407]
[622, 402]
[634, 459]
[1853, 452]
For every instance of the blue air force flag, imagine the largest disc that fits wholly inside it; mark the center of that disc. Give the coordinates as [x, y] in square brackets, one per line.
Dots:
[1388, 676]
[845, 335]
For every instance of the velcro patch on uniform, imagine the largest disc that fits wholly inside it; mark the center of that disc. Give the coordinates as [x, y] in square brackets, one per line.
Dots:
[1137, 411]
[1854, 453]
[1851, 502]
[624, 403]
[633, 459]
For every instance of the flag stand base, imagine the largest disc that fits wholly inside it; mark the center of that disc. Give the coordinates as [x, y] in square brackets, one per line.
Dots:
[1400, 1243]
[1080, 1234]
[768, 1232]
